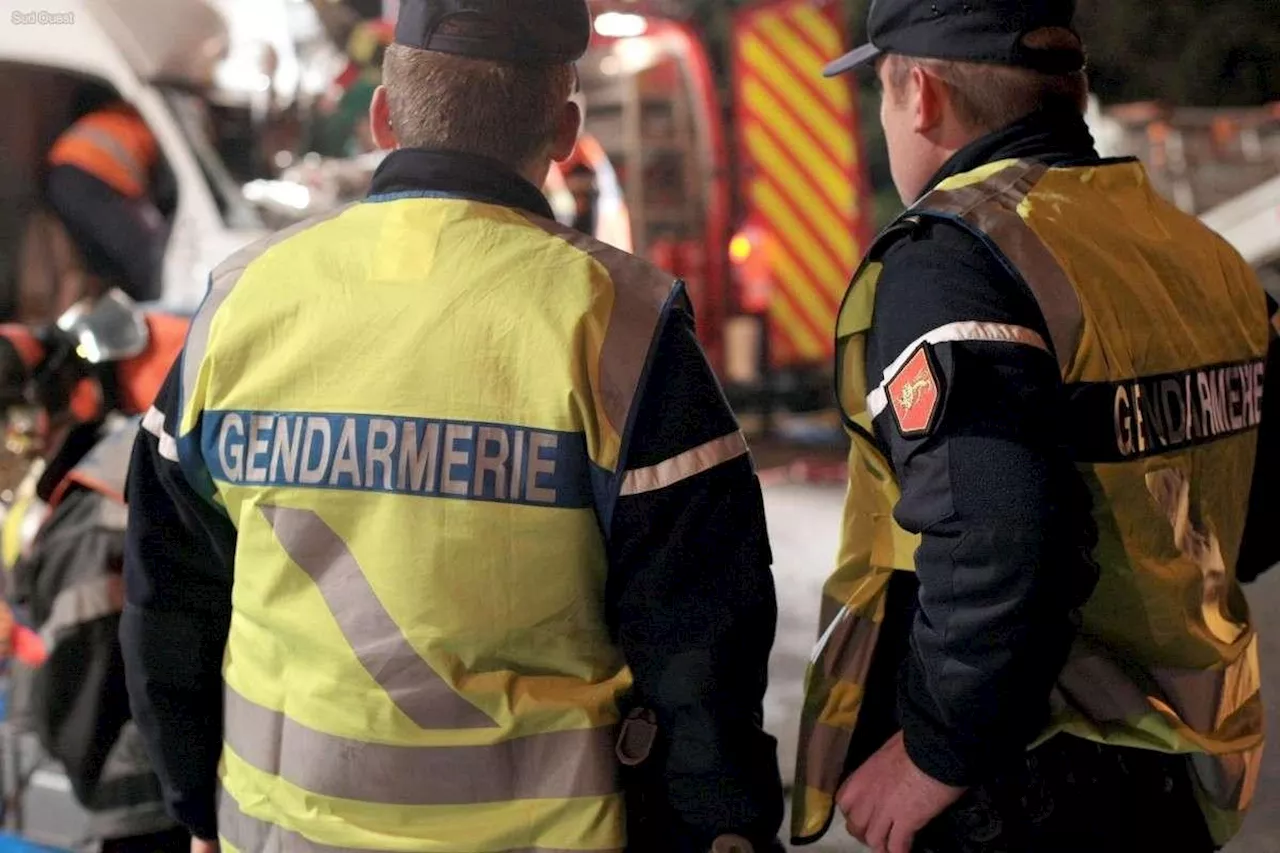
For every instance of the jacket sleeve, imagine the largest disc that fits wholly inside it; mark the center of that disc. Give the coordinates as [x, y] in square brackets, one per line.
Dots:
[1260, 549]
[691, 603]
[178, 562]
[1007, 531]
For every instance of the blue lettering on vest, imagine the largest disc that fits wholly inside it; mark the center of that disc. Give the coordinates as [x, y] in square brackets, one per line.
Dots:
[406, 456]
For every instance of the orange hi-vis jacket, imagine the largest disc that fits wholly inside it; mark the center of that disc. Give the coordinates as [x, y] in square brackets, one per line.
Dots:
[114, 145]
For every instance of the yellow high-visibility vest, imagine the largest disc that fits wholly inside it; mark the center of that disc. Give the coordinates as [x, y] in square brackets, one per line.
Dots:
[1161, 332]
[415, 413]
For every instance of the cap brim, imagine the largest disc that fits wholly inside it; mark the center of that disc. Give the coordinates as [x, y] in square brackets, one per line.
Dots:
[851, 60]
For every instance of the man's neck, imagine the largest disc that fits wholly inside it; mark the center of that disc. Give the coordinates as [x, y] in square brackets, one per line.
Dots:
[1052, 135]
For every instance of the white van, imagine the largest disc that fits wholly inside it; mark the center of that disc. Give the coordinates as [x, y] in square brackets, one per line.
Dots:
[1251, 223]
[159, 55]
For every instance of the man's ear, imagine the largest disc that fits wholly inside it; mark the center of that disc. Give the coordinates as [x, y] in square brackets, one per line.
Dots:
[567, 130]
[384, 135]
[931, 98]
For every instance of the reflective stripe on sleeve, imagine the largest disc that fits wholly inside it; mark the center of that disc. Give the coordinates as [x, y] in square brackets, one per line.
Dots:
[107, 142]
[968, 332]
[688, 464]
[153, 422]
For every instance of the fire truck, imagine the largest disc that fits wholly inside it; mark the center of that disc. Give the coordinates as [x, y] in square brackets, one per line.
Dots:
[748, 182]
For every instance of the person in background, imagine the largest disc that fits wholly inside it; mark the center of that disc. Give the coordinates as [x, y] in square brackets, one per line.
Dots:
[62, 543]
[581, 183]
[100, 181]
[443, 536]
[1063, 468]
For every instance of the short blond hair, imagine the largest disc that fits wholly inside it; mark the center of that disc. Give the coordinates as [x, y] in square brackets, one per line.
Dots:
[988, 97]
[498, 110]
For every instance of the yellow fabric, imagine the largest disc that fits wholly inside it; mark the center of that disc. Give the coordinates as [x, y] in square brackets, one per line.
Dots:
[872, 547]
[437, 309]
[1168, 603]
[577, 824]
[14, 522]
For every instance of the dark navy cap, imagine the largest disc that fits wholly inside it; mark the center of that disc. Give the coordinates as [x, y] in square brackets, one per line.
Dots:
[522, 32]
[965, 30]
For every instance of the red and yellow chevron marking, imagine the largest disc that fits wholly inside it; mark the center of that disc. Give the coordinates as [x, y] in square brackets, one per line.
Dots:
[803, 169]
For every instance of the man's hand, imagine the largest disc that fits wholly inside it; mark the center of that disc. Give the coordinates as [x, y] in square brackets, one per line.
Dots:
[201, 846]
[888, 800]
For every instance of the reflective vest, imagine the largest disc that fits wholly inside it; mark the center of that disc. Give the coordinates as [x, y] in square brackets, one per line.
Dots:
[104, 470]
[114, 145]
[415, 414]
[1161, 333]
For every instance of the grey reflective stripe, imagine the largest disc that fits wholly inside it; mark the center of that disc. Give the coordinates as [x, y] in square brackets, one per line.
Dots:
[130, 821]
[1230, 781]
[410, 682]
[689, 464]
[223, 280]
[551, 765]
[842, 654]
[991, 207]
[969, 332]
[1218, 703]
[641, 291]
[1203, 699]
[107, 142]
[84, 602]
[113, 515]
[821, 767]
[107, 463]
[251, 835]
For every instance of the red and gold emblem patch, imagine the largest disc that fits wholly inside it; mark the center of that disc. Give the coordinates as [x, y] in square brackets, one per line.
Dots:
[914, 395]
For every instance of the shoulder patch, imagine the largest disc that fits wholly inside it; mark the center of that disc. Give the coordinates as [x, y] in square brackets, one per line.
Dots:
[914, 394]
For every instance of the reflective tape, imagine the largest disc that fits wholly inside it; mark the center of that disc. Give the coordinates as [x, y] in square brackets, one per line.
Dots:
[106, 142]
[823, 764]
[688, 464]
[105, 468]
[841, 660]
[641, 292]
[991, 208]
[968, 332]
[153, 422]
[409, 681]
[551, 765]
[250, 835]
[85, 602]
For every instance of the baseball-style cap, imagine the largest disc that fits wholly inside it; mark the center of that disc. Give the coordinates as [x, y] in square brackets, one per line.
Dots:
[523, 32]
[966, 30]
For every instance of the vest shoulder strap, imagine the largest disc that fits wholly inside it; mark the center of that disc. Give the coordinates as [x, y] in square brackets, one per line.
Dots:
[986, 203]
[644, 295]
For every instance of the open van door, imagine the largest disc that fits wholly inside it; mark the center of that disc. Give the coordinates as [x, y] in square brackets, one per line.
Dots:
[160, 56]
